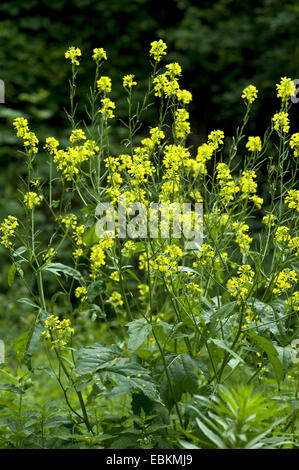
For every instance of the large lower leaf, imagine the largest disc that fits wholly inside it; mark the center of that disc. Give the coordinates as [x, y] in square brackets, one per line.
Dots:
[108, 365]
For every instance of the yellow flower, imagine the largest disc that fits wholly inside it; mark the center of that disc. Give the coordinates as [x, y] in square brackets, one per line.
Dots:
[21, 125]
[104, 84]
[285, 88]
[80, 293]
[57, 331]
[99, 53]
[49, 255]
[284, 281]
[184, 95]
[77, 135]
[269, 220]
[242, 239]
[73, 53]
[294, 144]
[215, 138]
[114, 276]
[128, 81]
[238, 286]
[116, 299]
[51, 145]
[30, 140]
[247, 183]
[31, 199]
[158, 49]
[292, 199]
[143, 289]
[282, 234]
[250, 93]
[182, 126]
[97, 259]
[8, 228]
[257, 201]
[254, 144]
[281, 122]
[107, 109]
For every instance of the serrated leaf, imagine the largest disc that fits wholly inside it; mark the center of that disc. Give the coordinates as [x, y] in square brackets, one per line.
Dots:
[139, 331]
[57, 268]
[107, 364]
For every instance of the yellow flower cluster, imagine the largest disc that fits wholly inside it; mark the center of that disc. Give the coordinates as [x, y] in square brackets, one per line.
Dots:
[99, 53]
[284, 281]
[49, 255]
[31, 199]
[128, 81]
[184, 96]
[294, 144]
[242, 238]
[204, 256]
[247, 183]
[51, 145]
[158, 49]
[80, 293]
[104, 84]
[8, 228]
[238, 286]
[269, 220]
[30, 140]
[250, 93]
[116, 299]
[143, 289]
[76, 136]
[285, 88]
[281, 122]
[69, 160]
[254, 144]
[228, 188]
[215, 139]
[182, 126]
[293, 301]
[292, 199]
[204, 153]
[73, 53]
[107, 109]
[282, 234]
[57, 331]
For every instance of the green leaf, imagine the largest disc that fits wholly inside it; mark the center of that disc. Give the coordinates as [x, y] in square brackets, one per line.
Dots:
[26, 301]
[57, 268]
[182, 377]
[271, 352]
[139, 331]
[90, 237]
[11, 274]
[11, 388]
[106, 365]
[221, 344]
[225, 310]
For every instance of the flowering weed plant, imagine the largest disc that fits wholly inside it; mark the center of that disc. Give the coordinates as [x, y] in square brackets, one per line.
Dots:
[154, 345]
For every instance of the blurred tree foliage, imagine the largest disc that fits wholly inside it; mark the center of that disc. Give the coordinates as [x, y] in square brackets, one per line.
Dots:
[222, 46]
